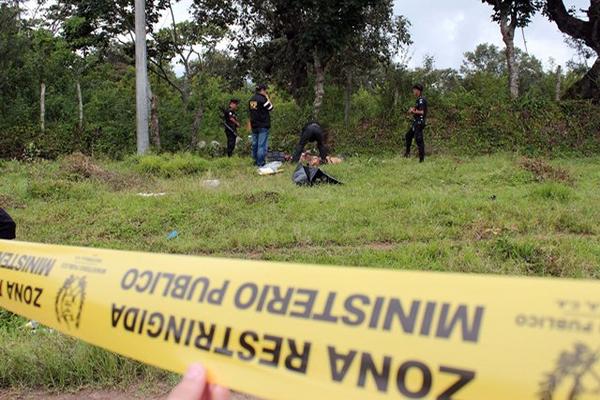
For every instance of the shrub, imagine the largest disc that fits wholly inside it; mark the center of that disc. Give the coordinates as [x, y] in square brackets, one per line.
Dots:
[170, 165]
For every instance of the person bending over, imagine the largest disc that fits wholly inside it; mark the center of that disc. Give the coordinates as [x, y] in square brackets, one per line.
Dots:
[312, 132]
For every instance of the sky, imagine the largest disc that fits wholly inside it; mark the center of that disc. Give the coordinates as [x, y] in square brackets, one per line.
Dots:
[446, 29]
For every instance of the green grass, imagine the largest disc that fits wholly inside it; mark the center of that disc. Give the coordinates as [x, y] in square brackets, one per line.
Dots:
[474, 215]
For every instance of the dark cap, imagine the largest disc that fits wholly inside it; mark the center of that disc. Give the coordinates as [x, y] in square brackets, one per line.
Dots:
[234, 101]
[261, 86]
[418, 86]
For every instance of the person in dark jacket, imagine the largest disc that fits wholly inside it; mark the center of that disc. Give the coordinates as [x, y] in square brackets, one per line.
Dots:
[312, 132]
[231, 125]
[419, 113]
[7, 226]
[260, 120]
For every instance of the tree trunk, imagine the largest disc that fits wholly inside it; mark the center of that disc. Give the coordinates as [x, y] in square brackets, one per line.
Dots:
[198, 116]
[80, 106]
[587, 31]
[347, 100]
[43, 106]
[319, 85]
[508, 36]
[587, 87]
[154, 124]
[558, 83]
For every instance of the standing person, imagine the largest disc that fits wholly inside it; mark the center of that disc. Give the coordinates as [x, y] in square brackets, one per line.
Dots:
[419, 113]
[312, 132]
[260, 120]
[231, 125]
[7, 226]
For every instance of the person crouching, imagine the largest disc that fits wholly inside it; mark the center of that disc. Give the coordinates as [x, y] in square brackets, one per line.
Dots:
[312, 132]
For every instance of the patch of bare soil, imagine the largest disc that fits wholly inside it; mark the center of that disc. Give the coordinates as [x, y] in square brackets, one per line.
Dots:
[79, 167]
[543, 171]
[7, 201]
[262, 197]
[134, 394]
[260, 254]
[82, 166]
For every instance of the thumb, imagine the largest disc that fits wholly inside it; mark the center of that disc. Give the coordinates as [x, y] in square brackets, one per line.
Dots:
[219, 393]
[192, 385]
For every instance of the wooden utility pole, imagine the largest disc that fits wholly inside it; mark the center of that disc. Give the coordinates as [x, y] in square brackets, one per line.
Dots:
[141, 77]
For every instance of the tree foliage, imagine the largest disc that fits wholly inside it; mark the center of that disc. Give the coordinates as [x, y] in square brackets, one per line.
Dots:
[582, 31]
[85, 60]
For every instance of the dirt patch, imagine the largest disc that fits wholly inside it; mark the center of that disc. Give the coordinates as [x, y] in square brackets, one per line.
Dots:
[482, 231]
[381, 246]
[7, 201]
[133, 394]
[543, 171]
[260, 254]
[262, 197]
[80, 167]
[84, 394]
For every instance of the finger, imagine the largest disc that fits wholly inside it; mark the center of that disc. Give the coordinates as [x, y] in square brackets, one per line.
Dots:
[219, 392]
[192, 385]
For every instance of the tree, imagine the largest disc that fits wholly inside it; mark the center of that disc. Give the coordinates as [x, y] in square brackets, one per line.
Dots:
[383, 37]
[299, 37]
[12, 43]
[186, 43]
[94, 22]
[510, 15]
[485, 58]
[48, 57]
[588, 32]
[86, 46]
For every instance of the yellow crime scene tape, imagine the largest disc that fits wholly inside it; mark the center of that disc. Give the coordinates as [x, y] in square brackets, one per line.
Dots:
[282, 331]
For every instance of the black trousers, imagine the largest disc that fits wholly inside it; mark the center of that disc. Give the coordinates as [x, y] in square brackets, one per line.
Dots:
[7, 226]
[416, 132]
[231, 140]
[311, 135]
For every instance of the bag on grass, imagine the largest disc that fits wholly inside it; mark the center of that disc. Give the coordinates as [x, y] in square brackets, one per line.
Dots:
[8, 227]
[309, 176]
[276, 156]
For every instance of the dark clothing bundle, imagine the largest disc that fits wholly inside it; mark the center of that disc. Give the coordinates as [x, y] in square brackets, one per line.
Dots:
[310, 176]
[260, 112]
[230, 130]
[311, 133]
[8, 227]
[416, 130]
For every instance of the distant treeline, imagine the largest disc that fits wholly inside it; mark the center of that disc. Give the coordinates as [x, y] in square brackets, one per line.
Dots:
[71, 87]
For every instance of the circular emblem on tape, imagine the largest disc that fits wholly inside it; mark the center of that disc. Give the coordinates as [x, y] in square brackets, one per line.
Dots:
[69, 301]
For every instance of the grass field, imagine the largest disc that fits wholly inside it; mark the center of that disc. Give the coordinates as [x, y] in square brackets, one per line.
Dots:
[500, 214]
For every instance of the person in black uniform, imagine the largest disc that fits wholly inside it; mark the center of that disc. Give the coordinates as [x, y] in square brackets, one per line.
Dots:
[7, 226]
[312, 132]
[419, 113]
[231, 125]
[260, 120]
